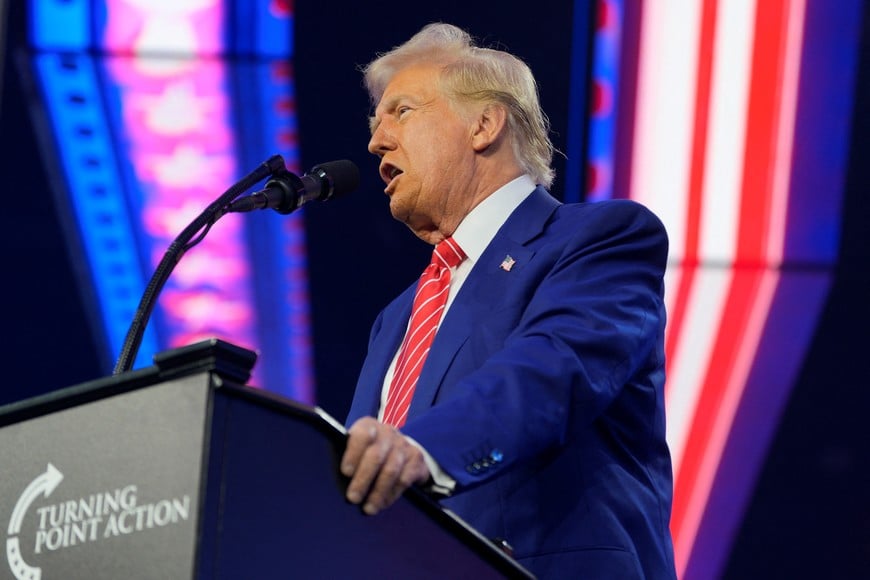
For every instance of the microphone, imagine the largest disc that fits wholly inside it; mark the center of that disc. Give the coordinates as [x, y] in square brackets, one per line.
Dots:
[286, 192]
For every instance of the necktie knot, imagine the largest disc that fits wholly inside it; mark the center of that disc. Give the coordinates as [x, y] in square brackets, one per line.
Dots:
[447, 254]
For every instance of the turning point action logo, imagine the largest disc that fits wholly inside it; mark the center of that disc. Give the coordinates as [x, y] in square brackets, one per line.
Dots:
[97, 517]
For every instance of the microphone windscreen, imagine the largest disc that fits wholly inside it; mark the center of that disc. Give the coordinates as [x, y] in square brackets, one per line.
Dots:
[342, 174]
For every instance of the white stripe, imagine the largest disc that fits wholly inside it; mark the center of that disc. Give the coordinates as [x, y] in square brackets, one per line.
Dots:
[413, 352]
[726, 131]
[428, 300]
[402, 395]
[691, 358]
[422, 324]
[409, 381]
[392, 406]
[450, 245]
[664, 126]
[404, 360]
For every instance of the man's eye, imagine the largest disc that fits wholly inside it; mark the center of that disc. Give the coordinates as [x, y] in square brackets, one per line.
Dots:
[402, 110]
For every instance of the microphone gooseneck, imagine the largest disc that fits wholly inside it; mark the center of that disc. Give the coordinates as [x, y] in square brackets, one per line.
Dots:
[286, 192]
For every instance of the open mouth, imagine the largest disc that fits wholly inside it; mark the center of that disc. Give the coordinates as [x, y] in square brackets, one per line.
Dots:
[389, 172]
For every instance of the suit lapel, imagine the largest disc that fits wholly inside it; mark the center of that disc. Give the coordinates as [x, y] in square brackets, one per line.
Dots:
[478, 292]
[393, 323]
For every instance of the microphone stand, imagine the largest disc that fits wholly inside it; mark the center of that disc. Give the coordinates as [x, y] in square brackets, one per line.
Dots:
[177, 249]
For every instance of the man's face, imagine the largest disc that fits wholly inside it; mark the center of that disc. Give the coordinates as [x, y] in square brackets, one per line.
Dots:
[427, 159]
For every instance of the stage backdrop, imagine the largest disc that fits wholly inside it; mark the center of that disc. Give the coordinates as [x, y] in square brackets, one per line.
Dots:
[737, 122]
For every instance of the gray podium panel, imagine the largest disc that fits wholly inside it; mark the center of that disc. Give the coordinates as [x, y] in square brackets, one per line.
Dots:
[97, 490]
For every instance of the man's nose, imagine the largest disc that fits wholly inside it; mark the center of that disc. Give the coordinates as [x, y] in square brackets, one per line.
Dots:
[382, 140]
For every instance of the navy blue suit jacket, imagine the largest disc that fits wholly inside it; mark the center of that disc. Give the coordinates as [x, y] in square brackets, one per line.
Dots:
[543, 393]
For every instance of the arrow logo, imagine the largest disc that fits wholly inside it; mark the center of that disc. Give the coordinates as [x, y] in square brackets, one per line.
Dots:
[44, 484]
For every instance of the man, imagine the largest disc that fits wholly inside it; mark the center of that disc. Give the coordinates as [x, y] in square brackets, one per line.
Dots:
[539, 408]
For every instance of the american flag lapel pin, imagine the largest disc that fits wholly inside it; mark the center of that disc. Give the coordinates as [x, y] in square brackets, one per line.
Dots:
[507, 263]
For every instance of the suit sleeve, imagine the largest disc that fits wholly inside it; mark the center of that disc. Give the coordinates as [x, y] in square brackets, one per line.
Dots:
[594, 321]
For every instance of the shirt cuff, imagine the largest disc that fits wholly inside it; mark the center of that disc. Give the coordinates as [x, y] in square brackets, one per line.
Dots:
[441, 484]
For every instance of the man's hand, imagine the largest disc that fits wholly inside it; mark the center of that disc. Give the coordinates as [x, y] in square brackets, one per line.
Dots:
[381, 463]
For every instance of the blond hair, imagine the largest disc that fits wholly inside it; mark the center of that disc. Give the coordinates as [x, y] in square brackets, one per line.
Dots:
[481, 75]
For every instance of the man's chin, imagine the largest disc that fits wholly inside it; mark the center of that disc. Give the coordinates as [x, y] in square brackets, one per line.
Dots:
[428, 233]
[398, 212]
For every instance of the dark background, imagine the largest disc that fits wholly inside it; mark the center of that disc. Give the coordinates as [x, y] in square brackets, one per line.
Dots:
[810, 514]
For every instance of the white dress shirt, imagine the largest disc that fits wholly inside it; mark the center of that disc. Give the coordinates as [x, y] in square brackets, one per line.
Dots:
[473, 235]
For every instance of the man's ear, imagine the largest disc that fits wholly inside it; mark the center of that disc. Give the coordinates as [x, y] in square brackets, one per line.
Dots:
[490, 126]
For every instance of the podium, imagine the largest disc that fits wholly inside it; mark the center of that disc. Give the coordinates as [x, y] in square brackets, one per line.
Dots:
[180, 471]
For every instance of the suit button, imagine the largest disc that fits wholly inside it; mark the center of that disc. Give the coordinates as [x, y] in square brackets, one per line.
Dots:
[496, 456]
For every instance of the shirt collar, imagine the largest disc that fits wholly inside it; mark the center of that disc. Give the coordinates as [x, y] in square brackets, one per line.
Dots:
[479, 227]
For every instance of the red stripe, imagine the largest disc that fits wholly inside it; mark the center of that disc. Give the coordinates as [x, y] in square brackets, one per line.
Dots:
[741, 294]
[699, 138]
[762, 131]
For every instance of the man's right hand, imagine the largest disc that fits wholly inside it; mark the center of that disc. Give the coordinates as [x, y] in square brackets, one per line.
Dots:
[381, 464]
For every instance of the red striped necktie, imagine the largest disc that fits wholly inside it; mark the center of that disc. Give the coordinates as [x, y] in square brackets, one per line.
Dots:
[429, 303]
